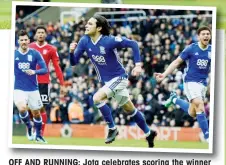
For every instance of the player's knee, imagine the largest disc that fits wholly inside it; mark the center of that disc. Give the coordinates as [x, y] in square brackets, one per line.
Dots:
[128, 107]
[36, 114]
[21, 107]
[22, 111]
[99, 97]
[198, 104]
[192, 113]
[96, 99]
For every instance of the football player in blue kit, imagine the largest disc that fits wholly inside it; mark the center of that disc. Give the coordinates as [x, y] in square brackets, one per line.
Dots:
[198, 63]
[26, 94]
[101, 48]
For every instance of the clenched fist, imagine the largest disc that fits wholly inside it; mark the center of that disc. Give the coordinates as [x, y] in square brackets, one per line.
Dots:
[29, 72]
[159, 77]
[137, 70]
[73, 45]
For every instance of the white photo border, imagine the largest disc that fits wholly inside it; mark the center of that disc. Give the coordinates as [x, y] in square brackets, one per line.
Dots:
[87, 5]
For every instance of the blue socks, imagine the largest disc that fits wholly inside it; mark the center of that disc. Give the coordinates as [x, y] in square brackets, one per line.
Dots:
[106, 113]
[140, 120]
[203, 124]
[201, 117]
[136, 115]
[184, 105]
[25, 117]
[38, 125]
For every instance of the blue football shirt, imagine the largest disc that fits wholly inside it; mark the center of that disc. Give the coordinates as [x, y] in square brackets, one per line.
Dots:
[198, 63]
[104, 56]
[25, 61]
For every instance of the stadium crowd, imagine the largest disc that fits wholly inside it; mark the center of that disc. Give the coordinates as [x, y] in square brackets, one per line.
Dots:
[160, 41]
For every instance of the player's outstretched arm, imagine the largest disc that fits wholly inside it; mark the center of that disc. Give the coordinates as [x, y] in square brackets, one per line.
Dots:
[73, 60]
[123, 42]
[175, 64]
[76, 51]
[135, 48]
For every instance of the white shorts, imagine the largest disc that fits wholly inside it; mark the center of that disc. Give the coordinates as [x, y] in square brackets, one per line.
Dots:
[195, 90]
[117, 88]
[30, 98]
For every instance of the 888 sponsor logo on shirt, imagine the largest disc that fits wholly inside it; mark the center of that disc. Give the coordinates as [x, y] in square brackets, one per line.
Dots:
[202, 63]
[99, 59]
[24, 65]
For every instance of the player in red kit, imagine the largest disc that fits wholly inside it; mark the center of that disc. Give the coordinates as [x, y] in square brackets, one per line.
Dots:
[49, 53]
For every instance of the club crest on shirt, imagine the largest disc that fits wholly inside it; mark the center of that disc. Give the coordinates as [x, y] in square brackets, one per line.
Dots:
[102, 50]
[29, 57]
[209, 55]
[44, 52]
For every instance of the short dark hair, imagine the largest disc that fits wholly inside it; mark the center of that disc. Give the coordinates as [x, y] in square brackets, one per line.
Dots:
[102, 22]
[22, 32]
[40, 27]
[203, 28]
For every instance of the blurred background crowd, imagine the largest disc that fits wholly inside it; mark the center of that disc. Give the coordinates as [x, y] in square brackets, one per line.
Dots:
[160, 41]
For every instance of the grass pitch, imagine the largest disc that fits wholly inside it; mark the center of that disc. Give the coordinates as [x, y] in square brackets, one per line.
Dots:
[117, 143]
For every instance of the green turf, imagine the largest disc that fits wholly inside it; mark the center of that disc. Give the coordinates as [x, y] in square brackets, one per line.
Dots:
[5, 24]
[5, 14]
[117, 143]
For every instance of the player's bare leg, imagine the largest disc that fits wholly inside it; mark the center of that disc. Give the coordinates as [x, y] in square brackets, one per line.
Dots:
[99, 100]
[99, 96]
[195, 109]
[198, 104]
[187, 107]
[138, 117]
[191, 110]
[25, 117]
[38, 125]
[201, 116]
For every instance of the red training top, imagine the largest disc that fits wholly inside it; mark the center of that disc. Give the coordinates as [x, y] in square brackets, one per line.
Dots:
[48, 53]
